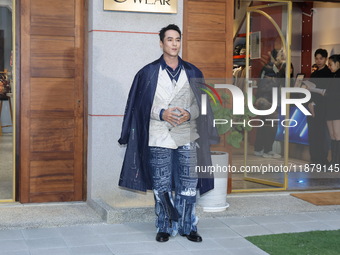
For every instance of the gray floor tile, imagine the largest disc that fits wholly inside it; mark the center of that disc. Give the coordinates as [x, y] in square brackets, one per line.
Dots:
[336, 212]
[254, 230]
[237, 221]
[297, 218]
[73, 241]
[217, 233]
[247, 251]
[267, 219]
[11, 235]
[233, 243]
[211, 252]
[207, 244]
[109, 229]
[278, 228]
[183, 252]
[15, 253]
[142, 227]
[129, 238]
[173, 246]
[56, 251]
[93, 250]
[120, 248]
[334, 224]
[146, 247]
[312, 226]
[148, 253]
[37, 233]
[324, 216]
[210, 223]
[46, 243]
[77, 231]
[13, 245]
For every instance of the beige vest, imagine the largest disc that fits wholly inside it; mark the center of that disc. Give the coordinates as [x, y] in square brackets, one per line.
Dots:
[162, 133]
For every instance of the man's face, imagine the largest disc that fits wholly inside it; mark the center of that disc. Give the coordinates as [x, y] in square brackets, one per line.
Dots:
[334, 66]
[171, 44]
[320, 61]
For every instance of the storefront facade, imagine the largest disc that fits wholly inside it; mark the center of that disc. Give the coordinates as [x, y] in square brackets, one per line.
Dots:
[74, 65]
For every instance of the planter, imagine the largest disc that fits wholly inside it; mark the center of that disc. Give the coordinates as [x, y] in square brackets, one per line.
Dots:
[216, 199]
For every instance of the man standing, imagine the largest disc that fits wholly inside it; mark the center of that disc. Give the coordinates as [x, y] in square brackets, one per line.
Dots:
[318, 136]
[167, 138]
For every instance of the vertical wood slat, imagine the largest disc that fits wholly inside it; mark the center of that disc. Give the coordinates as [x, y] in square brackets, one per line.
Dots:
[79, 110]
[25, 101]
[52, 101]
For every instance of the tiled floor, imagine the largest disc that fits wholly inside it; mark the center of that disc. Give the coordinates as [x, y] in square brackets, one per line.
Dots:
[6, 166]
[224, 235]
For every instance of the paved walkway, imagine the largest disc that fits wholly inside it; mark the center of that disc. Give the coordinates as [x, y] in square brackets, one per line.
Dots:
[222, 236]
[223, 233]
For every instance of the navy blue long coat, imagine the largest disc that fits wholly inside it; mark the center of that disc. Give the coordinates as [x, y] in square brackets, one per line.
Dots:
[135, 173]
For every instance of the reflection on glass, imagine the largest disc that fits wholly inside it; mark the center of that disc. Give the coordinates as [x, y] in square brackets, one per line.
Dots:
[6, 99]
[263, 149]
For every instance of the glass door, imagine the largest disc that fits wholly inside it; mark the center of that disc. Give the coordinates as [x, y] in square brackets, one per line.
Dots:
[7, 101]
[264, 163]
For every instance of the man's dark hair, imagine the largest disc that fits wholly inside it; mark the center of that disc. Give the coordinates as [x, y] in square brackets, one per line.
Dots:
[322, 52]
[169, 27]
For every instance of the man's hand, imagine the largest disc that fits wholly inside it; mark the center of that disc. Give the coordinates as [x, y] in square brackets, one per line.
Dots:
[175, 115]
[185, 115]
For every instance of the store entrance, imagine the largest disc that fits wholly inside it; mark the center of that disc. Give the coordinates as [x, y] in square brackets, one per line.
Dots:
[275, 154]
[267, 67]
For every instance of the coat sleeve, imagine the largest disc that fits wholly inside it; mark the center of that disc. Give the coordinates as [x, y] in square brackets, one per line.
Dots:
[129, 110]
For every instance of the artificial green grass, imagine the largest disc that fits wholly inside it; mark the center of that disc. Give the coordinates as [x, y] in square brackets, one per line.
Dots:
[305, 243]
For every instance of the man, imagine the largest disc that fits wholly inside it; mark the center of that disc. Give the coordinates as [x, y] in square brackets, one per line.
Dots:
[167, 137]
[318, 136]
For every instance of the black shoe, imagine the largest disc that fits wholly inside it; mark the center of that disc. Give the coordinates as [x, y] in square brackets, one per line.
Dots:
[162, 237]
[194, 237]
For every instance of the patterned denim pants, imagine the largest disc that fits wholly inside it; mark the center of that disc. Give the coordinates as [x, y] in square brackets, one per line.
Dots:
[174, 169]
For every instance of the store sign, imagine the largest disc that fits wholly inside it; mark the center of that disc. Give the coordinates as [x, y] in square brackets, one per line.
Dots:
[157, 6]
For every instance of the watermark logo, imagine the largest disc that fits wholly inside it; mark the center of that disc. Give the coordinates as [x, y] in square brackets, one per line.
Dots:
[239, 100]
[210, 94]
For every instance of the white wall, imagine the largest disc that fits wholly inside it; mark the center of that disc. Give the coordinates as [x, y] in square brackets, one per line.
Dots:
[115, 55]
[326, 27]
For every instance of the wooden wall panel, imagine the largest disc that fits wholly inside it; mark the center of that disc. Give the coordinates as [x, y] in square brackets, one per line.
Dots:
[206, 36]
[52, 140]
[52, 101]
[212, 62]
[61, 91]
[208, 44]
[52, 56]
[52, 13]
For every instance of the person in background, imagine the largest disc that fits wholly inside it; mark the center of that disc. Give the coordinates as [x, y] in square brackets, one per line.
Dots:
[332, 98]
[265, 135]
[272, 75]
[318, 136]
